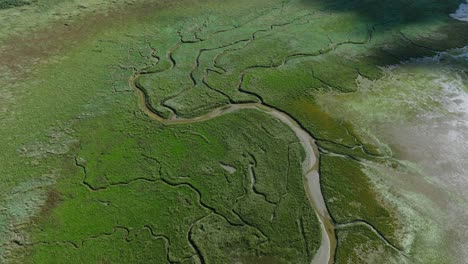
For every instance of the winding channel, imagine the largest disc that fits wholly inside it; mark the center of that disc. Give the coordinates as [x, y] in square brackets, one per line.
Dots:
[325, 253]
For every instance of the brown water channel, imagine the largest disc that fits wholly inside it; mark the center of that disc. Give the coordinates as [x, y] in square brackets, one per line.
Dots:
[325, 253]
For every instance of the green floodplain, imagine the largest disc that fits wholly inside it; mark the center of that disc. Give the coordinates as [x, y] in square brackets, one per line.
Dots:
[202, 131]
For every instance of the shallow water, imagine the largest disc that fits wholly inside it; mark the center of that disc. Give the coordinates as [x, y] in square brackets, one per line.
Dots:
[420, 110]
[461, 13]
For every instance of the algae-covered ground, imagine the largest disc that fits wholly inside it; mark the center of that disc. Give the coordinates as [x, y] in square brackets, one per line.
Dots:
[178, 131]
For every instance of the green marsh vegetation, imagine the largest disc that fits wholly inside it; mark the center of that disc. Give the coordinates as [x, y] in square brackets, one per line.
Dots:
[104, 183]
[12, 3]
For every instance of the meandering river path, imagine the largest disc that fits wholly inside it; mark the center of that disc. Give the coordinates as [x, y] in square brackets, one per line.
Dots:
[325, 253]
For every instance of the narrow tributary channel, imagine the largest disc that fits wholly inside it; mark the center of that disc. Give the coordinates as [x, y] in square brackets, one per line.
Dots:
[325, 254]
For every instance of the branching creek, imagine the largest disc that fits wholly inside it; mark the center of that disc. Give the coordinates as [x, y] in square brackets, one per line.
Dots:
[310, 167]
[325, 253]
